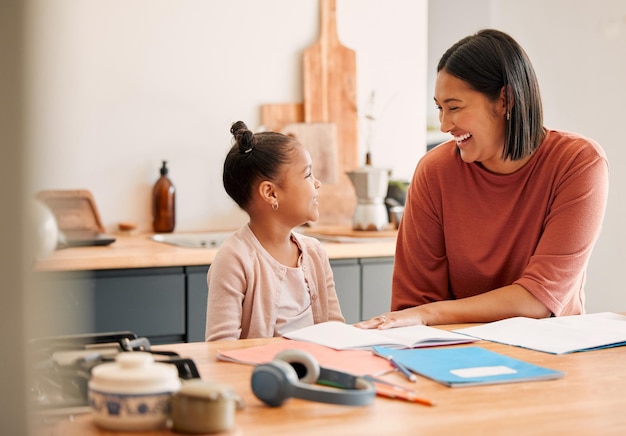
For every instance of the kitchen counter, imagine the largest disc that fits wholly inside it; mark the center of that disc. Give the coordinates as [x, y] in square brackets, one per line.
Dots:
[139, 251]
[159, 290]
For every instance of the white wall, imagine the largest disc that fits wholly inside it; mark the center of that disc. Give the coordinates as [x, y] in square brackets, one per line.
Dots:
[449, 21]
[578, 49]
[117, 86]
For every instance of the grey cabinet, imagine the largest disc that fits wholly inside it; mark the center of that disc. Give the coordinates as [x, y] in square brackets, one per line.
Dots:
[169, 304]
[149, 302]
[347, 274]
[363, 286]
[150, 305]
[197, 293]
[375, 285]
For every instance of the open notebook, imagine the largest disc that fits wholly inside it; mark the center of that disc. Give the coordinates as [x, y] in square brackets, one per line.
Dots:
[557, 335]
[342, 336]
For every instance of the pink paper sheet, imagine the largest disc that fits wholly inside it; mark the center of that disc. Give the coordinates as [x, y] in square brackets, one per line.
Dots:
[357, 362]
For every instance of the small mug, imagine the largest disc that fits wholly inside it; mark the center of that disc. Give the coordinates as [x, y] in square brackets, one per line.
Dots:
[204, 407]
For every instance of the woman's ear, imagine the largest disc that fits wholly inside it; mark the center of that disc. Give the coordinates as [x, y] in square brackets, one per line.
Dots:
[506, 99]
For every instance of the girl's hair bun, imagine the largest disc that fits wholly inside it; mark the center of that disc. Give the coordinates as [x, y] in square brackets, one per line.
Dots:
[244, 137]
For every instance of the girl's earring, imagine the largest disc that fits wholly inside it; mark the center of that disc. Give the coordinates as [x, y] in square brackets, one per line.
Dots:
[275, 206]
[508, 115]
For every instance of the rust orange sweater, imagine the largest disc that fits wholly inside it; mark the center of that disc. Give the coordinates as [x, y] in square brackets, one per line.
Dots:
[466, 231]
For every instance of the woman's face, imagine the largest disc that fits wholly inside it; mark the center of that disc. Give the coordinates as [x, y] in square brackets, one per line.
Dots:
[297, 191]
[476, 122]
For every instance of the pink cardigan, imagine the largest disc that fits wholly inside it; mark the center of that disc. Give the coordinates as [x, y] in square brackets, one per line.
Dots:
[244, 285]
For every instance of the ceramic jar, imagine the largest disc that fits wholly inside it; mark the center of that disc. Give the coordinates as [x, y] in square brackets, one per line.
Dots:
[133, 393]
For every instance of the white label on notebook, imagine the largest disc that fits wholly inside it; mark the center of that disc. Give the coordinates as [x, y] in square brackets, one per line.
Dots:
[482, 371]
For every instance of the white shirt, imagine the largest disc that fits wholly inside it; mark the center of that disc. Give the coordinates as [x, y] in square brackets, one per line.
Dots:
[294, 306]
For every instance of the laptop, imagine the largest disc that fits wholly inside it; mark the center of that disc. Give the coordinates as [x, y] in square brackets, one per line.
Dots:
[83, 238]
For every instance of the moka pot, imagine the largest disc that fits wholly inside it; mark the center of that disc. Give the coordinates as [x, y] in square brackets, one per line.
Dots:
[371, 186]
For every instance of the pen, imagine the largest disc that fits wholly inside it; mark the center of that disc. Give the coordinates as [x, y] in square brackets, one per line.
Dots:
[400, 394]
[400, 367]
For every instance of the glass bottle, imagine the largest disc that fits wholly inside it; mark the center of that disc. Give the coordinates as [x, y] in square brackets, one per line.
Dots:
[164, 203]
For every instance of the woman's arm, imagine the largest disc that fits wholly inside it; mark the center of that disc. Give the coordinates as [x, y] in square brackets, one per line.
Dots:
[505, 302]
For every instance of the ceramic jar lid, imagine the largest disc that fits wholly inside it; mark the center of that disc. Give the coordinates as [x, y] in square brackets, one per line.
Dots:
[135, 373]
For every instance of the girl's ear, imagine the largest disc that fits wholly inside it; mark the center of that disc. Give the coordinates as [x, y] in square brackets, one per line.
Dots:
[267, 192]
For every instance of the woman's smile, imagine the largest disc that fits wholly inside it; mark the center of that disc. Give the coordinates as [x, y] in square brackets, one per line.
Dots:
[462, 139]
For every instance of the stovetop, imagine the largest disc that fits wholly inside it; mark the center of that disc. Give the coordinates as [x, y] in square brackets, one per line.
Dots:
[62, 366]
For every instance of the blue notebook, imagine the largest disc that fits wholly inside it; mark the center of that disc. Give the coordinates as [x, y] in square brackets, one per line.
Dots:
[468, 366]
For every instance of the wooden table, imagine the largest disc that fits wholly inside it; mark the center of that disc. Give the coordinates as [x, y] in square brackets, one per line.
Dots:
[589, 400]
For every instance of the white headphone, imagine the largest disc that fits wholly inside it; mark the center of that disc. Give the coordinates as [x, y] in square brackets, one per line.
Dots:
[294, 373]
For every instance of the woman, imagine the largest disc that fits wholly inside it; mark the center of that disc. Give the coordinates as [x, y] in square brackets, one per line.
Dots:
[501, 220]
[265, 279]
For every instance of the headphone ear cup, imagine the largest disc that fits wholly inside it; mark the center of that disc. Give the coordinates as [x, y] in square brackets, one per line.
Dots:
[273, 382]
[303, 363]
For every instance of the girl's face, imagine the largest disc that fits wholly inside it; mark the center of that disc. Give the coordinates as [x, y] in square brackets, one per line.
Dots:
[297, 191]
[476, 122]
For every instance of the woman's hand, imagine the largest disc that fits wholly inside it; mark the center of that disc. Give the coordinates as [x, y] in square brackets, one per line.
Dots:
[400, 318]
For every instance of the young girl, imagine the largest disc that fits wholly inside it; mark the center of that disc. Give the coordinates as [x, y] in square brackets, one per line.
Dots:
[267, 280]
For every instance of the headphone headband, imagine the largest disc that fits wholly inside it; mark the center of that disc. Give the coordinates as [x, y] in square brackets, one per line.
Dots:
[293, 373]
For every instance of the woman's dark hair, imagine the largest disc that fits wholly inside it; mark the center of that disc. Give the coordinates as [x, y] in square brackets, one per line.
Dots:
[254, 157]
[489, 61]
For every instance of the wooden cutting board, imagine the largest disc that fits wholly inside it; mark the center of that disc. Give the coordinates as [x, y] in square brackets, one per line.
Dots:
[330, 96]
[276, 116]
[329, 86]
[320, 139]
[337, 196]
